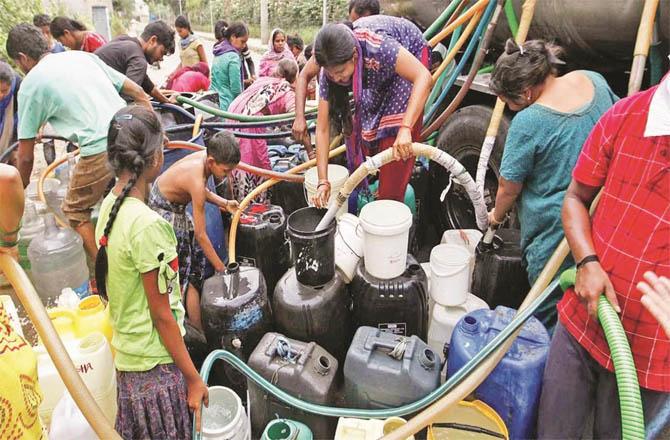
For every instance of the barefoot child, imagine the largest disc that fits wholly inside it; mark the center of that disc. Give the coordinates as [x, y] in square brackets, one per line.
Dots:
[136, 269]
[186, 182]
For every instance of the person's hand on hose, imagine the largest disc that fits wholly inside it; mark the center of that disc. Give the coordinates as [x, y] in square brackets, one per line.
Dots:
[230, 206]
[197, 394]
[592, 281]
[299, 129]
[493, 221]
[402, 147]
[656, 298]
[322, 195]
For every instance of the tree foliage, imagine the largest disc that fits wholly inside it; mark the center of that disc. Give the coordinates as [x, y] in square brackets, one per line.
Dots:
[12, 13]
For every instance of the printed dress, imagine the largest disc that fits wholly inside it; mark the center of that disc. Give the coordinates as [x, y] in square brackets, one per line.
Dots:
[382, 100]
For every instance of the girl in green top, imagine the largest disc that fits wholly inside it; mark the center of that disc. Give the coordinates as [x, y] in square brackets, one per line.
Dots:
[227, 69]
[137, 270]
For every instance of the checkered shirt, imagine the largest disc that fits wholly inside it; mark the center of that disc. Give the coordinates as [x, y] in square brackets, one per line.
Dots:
[630, 231]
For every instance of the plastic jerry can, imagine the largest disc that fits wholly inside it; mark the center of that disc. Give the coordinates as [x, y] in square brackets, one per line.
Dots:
[92, 357]
[398, 305]
[316, 314]
[383, 370]
[499, 277]
[513, 387]
[443, 320]
[235, 314]
[304, 370]
[261, 242]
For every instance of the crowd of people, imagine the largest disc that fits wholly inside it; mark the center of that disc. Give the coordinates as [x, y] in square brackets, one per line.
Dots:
[570, 138]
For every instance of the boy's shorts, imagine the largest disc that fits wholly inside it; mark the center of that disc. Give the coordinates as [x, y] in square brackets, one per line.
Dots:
[90, 180]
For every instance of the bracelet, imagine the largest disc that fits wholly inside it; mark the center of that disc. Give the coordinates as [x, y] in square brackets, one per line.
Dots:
[405, 126]
[323, 182]
[588, 259]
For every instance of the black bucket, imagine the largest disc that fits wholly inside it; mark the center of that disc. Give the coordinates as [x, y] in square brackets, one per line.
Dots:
[312, 252]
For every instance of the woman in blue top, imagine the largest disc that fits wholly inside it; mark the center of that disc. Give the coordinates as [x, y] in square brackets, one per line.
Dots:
[556, 114]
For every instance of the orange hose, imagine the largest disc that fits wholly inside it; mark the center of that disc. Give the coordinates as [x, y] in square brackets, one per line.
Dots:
[40, 188]
[480, 5]
[457, 46]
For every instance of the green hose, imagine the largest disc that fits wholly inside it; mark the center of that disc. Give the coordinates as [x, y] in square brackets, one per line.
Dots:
[438, 24]
[630, 401]
[409, 408]
[284, 117]
[511, 18]
[437, 88]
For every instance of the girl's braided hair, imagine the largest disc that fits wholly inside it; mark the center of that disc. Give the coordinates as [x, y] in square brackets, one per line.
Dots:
[134, 135]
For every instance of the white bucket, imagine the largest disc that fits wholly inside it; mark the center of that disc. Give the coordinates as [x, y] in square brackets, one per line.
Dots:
[337, 175]
[348, 246]
[386, 225]
[469, 238]
[224, 418]
[449, 274]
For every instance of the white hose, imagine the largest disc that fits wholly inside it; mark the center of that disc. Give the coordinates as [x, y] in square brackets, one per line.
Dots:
[372, 165]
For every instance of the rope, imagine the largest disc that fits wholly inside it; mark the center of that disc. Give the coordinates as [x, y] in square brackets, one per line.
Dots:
[398, 351]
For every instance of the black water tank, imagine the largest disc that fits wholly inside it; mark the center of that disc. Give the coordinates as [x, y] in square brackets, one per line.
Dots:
[314, 314]
[236, 314]
[500, 278]
[398, 305]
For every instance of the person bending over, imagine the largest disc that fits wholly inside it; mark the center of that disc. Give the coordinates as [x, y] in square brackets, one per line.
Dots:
[186, 182]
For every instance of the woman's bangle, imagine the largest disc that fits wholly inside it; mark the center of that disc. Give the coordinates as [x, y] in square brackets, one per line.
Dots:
[323, 182]
[405, 126]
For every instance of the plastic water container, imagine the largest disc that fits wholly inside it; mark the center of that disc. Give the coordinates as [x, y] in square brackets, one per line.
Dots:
[93, 316]
[386, 226]
[468, 420]
[450, 274]
[337, 175]
[235, 314]
[58, 260]
[362, 429]
[315, 314]
[468, 238]
[224, 418]
[304, 370]
[383, 370]
[32, 226]
[500, 277]
[513, 387]
[284, 429]
[92, 357]
[312, 252]
[443, 320]
[398, 305]
[348, 246]
[261, 242]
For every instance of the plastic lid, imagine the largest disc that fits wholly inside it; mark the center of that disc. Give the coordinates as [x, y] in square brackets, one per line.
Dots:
[386, 217]
[449, 256]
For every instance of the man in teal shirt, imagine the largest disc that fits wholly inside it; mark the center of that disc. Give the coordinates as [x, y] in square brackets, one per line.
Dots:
[77, 94]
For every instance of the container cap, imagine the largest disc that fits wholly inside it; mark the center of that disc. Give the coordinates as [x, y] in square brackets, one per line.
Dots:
[448, 256]
[386, 217]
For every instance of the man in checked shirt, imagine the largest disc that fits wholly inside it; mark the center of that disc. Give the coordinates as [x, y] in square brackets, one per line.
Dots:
[627, 154]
